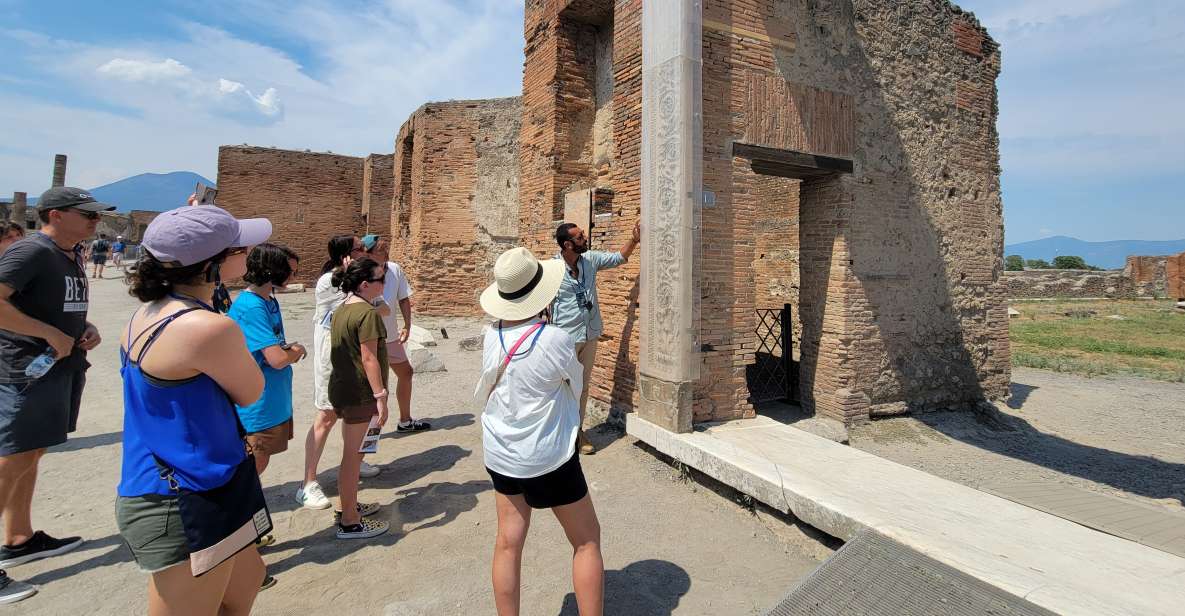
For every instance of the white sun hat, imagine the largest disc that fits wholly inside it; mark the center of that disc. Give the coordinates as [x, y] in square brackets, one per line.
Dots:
[523, 285]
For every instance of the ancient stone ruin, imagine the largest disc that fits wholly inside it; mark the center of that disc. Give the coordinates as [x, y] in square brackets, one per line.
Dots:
[834, 164]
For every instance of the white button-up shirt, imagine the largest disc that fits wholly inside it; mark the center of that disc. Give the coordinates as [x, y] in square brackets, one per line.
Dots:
[530, 422]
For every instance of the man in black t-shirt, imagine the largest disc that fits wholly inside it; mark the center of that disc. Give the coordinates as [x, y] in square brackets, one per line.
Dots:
[43, 304]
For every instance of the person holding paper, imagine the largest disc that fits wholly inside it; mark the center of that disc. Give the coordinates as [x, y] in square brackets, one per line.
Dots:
[357, 385]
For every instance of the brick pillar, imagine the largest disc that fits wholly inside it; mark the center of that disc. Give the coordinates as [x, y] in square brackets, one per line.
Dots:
[20, 203]
[59, 170]
[672, 187]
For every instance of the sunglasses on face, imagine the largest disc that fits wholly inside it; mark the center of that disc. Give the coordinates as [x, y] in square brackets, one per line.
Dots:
[375, 280]
[85, 214]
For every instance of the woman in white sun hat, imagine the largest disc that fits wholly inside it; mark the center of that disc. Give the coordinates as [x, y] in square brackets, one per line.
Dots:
[530, 386]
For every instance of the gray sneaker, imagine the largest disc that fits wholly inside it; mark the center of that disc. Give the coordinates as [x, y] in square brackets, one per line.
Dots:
[12, 591]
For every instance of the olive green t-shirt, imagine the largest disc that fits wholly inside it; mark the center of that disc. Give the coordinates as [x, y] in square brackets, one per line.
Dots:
[352, 325]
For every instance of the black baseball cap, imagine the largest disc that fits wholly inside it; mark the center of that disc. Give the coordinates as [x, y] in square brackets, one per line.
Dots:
[60, 197]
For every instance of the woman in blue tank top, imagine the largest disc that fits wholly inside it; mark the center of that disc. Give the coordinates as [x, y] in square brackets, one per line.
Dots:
[184, 367]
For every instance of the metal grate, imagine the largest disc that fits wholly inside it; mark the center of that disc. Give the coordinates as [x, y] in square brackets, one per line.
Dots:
[872, 575]
[773, 374]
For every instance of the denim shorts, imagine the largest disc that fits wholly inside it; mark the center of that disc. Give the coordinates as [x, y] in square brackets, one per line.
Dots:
[40, 413]
[151, 527]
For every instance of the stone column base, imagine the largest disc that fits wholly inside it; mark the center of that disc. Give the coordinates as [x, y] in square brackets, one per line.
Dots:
[665, 404]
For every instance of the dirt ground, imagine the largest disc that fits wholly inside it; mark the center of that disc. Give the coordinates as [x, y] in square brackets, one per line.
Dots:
[1118, 435]
[670, 546]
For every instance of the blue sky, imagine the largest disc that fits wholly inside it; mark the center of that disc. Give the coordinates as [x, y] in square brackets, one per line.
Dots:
[1092, 136]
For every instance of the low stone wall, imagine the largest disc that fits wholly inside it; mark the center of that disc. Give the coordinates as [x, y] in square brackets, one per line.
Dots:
[1048, 284]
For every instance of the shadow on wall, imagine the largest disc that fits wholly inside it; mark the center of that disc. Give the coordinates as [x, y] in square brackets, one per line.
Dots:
[621, 398]
[919, 221]
[644, 588]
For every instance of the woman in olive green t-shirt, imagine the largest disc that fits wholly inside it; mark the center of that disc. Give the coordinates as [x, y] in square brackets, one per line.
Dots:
[357, 385]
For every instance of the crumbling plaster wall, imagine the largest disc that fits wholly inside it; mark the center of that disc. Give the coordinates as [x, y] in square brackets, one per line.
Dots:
[454, 205]
[582, 114]
[901, 302]
[901, 296]
[378, 177]
[308, 196]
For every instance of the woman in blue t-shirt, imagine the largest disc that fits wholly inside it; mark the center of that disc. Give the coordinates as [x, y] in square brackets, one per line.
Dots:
[268, 420]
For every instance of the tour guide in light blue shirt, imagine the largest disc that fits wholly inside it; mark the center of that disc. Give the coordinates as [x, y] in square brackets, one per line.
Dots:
[576, 309]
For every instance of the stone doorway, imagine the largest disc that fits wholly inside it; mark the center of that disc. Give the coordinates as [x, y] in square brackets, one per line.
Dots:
[796, 228]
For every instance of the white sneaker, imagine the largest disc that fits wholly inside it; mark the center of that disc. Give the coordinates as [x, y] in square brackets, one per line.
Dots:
[368, 471]
[312, 497]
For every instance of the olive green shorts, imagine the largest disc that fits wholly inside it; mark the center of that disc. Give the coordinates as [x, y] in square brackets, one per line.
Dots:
[151, 527]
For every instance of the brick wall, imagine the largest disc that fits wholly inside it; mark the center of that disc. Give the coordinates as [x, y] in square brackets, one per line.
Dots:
[582, 110]
[378, 188]
[900, 298]
[1175, 277]
[894, 270]
[454, 206]
[1147, 275]
[308, 196]
[140, 221]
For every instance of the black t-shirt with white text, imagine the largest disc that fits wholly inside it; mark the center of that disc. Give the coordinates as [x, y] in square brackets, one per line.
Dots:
[50, 285]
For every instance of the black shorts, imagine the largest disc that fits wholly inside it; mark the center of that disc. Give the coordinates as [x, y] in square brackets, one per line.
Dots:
[563, 486]
[99, 259]
[38, 414]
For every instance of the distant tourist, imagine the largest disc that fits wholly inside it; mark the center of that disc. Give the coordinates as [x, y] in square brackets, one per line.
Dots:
[342, 249]
[576, 309]
[44, 339]
[184, 368]
[98, 255]
[268, 420]
[396, 292]
[10, 232]
[357, 385]
[531, 383]
[117, 250]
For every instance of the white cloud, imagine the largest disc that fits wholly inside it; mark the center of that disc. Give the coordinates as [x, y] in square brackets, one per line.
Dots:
[340, 79]
[140, 70]
[236, 93]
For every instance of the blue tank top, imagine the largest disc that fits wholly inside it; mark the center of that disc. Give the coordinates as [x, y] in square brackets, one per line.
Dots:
[191, 425]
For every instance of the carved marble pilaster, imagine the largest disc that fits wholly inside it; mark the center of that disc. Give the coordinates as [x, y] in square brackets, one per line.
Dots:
[672, 187]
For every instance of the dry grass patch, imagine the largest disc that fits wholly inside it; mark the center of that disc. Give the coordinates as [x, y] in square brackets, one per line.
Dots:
[1145, 338]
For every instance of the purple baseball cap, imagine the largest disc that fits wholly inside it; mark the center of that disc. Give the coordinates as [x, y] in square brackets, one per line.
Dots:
[194, 233]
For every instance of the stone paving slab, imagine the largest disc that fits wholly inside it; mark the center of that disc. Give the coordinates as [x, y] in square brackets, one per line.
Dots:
[1155, 528]
[1053, 563]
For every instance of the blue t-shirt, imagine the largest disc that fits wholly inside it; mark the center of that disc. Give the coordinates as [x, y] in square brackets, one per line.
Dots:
[263, 327]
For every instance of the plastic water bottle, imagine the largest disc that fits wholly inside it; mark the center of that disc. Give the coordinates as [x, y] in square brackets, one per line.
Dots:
[41, 364]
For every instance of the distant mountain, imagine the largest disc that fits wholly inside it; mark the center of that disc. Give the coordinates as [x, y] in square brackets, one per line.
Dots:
[148, 191]
[1107, 255]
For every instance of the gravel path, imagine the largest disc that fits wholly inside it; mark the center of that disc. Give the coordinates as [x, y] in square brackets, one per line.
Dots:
[1118, 435]
[670, 547]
